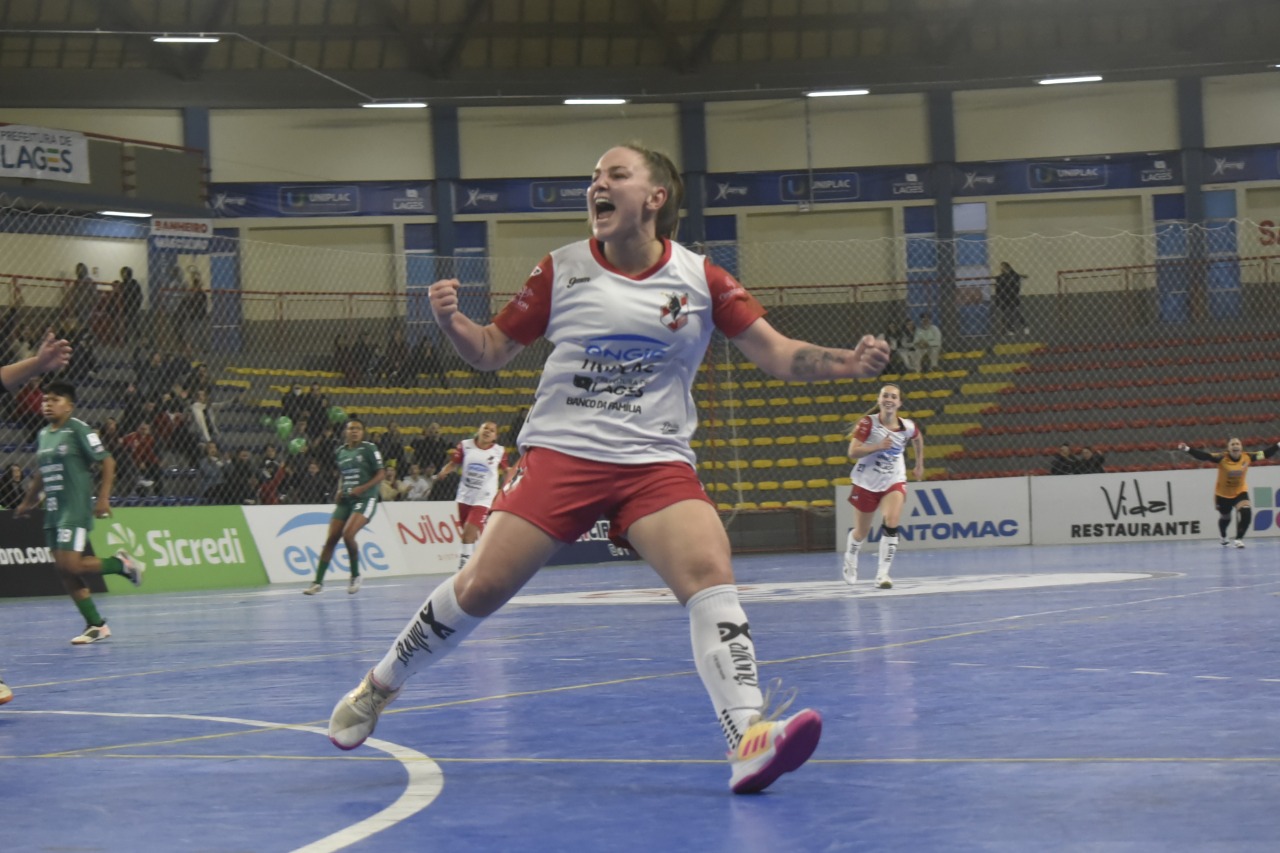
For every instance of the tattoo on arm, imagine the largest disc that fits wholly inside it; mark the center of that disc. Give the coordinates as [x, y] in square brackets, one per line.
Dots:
[815, 362]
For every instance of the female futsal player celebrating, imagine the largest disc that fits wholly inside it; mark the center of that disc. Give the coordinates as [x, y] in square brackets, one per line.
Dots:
[630, 314]
[1231, 491]
[877, 444]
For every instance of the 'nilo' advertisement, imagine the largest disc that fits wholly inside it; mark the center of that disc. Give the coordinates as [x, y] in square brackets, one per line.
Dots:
[964, 514]
[184, 548]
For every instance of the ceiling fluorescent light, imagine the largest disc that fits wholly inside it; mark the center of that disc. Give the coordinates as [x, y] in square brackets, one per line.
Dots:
[587, 102]
[200, 39]
[130, 213]
[837, 93]
[394, 105]
[1055, 81]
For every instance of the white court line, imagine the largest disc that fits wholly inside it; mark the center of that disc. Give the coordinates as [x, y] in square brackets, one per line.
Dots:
[426, 779]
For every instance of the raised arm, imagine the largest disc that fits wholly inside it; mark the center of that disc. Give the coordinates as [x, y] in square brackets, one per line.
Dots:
[53, 355]
[482, 347]
[799, 361]
[1202, 455]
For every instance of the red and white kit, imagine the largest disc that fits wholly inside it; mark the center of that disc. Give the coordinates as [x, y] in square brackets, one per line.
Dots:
[881, 471]
[478, 471]
[617, 386]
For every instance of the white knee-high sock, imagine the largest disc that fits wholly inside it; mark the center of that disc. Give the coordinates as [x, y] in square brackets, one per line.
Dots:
[888, 547]
[726, 658]
[468, 548]
[432, 633]
[852, 546]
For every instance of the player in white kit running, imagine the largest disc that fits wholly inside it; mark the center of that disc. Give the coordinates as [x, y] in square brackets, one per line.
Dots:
[481, 461]
[630, 314]
[877, 445]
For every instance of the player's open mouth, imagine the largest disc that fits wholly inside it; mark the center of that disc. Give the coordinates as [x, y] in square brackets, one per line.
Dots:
[603, 208]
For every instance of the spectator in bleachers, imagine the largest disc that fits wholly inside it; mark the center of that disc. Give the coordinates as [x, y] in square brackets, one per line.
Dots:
[908, 352]
[893, 337]
[363, 356]
[315, 410]
[426, 361]
[391, 444]
[84, 359]
[142, 463]
[198, 380]
[80, 296]
[1090, 462]
[1008, 299]
[13, 488]
[27, 408]
[928, 341]
[395, 360]
[342, 361]
[192, 315]
[431, 449]
[242, 478]
[1064, 461]
[130, 300]
[417, 485]
[291, 402]
[132, 409]
[111, 436]
[202, 418]
[270, 464]
[390, 487]
[310, 485]
[156, 377]
[212, 482]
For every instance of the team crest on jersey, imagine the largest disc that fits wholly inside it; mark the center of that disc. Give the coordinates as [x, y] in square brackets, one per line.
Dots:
[675, 311]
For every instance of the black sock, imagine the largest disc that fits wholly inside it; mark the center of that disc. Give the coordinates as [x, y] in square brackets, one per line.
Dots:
[1223, 521]
[1243, 516]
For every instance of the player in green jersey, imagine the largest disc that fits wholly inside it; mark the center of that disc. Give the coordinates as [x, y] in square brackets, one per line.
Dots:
[360, 470]
[53, 355]
[66, 449]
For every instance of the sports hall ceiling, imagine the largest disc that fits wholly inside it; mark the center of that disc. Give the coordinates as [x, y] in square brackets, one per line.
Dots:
[84, 53]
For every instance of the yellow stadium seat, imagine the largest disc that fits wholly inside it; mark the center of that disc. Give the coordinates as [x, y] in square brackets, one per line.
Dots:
[725, 507]
[817, 483]
[785, 439]
[788, 463]
[767, 486]
[746, 505]
[748, 386]
[762, 463]
[771, 504]
[792, 484]
[834, 436]
[742, 487]
[842, 481]
[779, 401]
[802, 401]
[807, 419]
[824, 399]
[762, 441]
[810, 439]
[813, 460]
[823, 502]
[784, 420]
[737, 464]
[755, 403]
[761, 421]
[739, 442]
[838, 460]
[830, 419]
[798, 504]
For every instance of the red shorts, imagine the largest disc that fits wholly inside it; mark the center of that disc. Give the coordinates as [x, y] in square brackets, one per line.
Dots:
[866, 501]
[471, 514]
[565, 496]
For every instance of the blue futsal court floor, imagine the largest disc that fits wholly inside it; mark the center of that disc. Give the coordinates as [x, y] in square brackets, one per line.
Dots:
[1094, 697]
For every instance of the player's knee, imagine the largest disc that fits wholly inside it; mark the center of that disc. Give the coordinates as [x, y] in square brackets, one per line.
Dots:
[889, 530]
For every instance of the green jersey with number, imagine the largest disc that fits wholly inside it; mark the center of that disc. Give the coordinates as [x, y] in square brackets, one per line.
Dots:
[358, 464]
[65, 454]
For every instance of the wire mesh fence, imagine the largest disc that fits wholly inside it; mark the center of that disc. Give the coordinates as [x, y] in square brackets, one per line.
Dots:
[223, 374]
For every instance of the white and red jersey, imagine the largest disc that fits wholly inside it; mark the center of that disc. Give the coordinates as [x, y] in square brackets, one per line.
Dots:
[478, 471]
[617, 385]
[877, 471]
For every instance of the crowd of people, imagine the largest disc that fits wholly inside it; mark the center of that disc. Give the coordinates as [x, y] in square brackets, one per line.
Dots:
[1069, 461]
